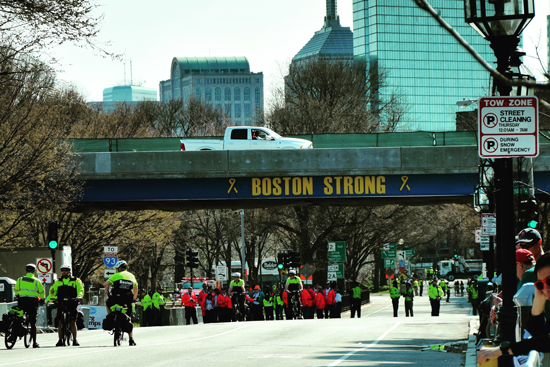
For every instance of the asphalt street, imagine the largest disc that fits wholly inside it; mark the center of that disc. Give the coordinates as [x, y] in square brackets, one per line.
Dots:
[376, 339]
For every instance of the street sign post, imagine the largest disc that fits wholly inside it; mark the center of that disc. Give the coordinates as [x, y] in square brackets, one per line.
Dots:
[337, 270]
[489, 224]
[110, 260]
[108, 272]
[337, 252]
[221, 273]
[44, 265]
[508, 127]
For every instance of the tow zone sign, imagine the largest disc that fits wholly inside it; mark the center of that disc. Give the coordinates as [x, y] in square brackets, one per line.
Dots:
[508, 127]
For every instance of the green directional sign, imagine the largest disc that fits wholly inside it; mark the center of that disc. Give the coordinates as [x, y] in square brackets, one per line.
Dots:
[337, 252]
[410, 252]
[389, 254]
[335, 271]
[389, 263]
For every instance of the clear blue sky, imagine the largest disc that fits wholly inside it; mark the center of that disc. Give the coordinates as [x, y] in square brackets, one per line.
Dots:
[268, 33]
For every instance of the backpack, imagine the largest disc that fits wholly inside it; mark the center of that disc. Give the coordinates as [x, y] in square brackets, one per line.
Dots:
[80, 319]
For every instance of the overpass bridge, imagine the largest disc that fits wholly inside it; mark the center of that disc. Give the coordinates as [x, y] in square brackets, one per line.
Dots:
[342, 170]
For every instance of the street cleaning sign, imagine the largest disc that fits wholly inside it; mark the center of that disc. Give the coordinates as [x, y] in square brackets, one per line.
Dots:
[508, 127]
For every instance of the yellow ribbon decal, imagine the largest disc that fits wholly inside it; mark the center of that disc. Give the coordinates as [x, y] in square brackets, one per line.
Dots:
[232, 182]
[405, 179]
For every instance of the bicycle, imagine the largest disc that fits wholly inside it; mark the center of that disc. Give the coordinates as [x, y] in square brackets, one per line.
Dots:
[66, 305]
[120, 320]
[295, 305]
[19, 327]
[236, 300]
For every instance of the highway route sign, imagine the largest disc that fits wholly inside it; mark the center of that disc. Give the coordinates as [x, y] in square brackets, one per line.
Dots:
[110, 260]
[508, 127]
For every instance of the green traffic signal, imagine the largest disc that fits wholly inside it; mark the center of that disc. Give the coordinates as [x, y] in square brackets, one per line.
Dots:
[280, 266]
[53, 245]
[532, 224]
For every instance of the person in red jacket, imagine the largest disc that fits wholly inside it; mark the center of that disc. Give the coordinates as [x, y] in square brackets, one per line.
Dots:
[320, 303]
[202, 298]
[330, 296]
[189, 300]
[307, 302]
[225, 305]
[312, 292]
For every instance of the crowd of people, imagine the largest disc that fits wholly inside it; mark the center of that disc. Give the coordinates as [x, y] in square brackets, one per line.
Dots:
[532, 266]
[292, 300]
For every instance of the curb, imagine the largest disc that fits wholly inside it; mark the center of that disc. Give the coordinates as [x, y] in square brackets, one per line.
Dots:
[471, 352]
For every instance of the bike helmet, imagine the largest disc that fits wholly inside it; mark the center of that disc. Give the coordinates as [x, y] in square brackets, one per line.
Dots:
[65, 267]
[236, 275]
[30, 268]
[121, 265]
[292, 272]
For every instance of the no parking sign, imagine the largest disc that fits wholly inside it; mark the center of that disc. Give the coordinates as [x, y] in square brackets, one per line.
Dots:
[508, 127]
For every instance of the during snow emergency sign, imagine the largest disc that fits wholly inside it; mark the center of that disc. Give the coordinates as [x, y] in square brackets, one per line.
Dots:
[508, 127]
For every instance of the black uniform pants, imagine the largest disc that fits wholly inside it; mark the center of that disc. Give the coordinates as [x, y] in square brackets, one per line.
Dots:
[355, 307]
[190, 313]
[435, 303]
[409, 308]
[395, 303]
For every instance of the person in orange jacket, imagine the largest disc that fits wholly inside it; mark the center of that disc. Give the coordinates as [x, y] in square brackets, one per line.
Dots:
[189, 300]
[285, 301]
[307, 303]
[320, 303]
[330, 296]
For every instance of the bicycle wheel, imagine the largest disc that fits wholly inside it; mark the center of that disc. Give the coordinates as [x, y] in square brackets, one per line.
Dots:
[9, 337]
[116, 334]
[67, 336]
[27, 338]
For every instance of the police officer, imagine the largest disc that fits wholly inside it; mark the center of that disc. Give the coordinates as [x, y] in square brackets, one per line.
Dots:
[293, 287]
[435, 293]
[29, 292]
[147, 307]
[268, 303]
[124, 290]
[69, 287]
[237, 294]
[158, 306]
[356, 300]
[409, 295]
[394, 295]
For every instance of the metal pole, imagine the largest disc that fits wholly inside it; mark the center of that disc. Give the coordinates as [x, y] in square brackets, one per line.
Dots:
[242, 243]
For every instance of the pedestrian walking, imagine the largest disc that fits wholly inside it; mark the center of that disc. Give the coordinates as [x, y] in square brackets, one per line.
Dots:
[475, 297]
[461, 288]
[435, 293]
[421, 290]
[415, 286]
[395, 294]
[355, 304]
[409, 295]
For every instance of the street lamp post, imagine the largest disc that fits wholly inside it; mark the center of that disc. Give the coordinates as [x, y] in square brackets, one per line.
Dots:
[501, 22]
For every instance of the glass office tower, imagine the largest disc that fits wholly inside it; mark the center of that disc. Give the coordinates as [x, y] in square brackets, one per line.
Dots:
[425, 63]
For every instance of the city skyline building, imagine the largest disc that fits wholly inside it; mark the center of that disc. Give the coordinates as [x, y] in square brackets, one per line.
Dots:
[424, 62]
[129, 93]
[223, 82]
[331, 42]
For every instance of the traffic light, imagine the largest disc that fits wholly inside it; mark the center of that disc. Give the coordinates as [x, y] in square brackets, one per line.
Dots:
[294, 259]
[52, 235]
[280, 261]
[529, 213]
[192, 259]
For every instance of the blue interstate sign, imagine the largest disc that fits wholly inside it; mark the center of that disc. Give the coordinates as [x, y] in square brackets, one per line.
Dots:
[283, 187]
[110, 260]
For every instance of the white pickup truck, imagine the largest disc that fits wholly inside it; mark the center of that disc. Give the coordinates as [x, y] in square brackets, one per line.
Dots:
[245, 138]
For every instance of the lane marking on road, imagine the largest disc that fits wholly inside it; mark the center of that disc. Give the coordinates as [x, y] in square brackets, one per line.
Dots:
[112, 349]
[346, 356]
